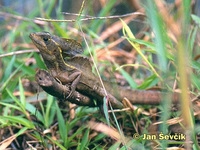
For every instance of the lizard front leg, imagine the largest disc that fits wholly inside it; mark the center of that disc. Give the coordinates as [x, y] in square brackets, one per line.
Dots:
[73, 78]
[76, 76]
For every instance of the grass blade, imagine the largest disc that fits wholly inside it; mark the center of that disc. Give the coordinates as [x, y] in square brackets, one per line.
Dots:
[22, 96]
[61, 124]
[105, 110]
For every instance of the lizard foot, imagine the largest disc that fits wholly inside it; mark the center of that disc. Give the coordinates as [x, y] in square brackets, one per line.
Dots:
[71, 92]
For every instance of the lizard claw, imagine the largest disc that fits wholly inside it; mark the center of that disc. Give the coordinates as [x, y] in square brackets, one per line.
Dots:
[71, 92]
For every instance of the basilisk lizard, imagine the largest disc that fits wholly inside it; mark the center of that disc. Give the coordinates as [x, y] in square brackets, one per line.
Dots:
[77, 71]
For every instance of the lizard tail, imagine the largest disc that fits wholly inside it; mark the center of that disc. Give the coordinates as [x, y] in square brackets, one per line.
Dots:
[148, 97]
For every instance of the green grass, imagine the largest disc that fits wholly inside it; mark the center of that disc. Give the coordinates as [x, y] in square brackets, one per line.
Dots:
[161, 57]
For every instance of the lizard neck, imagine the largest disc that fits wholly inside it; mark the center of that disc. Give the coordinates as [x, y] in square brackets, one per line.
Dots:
[61, 63]
[50, 62]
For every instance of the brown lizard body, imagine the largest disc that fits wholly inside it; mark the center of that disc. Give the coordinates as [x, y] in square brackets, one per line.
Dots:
[78, 71]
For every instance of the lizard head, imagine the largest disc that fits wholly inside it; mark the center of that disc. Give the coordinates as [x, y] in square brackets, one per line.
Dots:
[48, 43]
[49, 49]
[44, 42]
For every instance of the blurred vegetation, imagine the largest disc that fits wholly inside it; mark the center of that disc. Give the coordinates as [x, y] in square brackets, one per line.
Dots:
[159, 49]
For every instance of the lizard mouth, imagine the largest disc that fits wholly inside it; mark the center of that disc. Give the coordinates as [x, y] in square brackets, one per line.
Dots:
[32, 36]
[38, 42]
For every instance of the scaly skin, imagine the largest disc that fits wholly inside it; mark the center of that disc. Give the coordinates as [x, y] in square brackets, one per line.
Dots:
[77, 71]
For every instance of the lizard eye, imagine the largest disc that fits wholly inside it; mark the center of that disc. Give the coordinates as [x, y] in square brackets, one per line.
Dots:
[45, 39]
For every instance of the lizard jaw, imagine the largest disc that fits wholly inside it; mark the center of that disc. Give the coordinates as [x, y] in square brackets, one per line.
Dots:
[38, 42]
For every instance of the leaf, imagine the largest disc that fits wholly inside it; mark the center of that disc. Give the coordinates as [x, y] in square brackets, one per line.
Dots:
[20, 120]
[115, 146]
[76, 133]
[196, 19]
[10, 105]
[150, 81]
[10, 77]
[129, 79]
[48, 108]
[9, 68]
[130, 35]
[39, 61]
[61, 124]
[22, 108]
[22, 96]
[26, 69]
[5, 143]
[136, 46]
[56, 142]
[105, 109]
[142, 42]
[97, 138]
[161, 38]
[85, 140]
[31, 108]
[195, 81]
